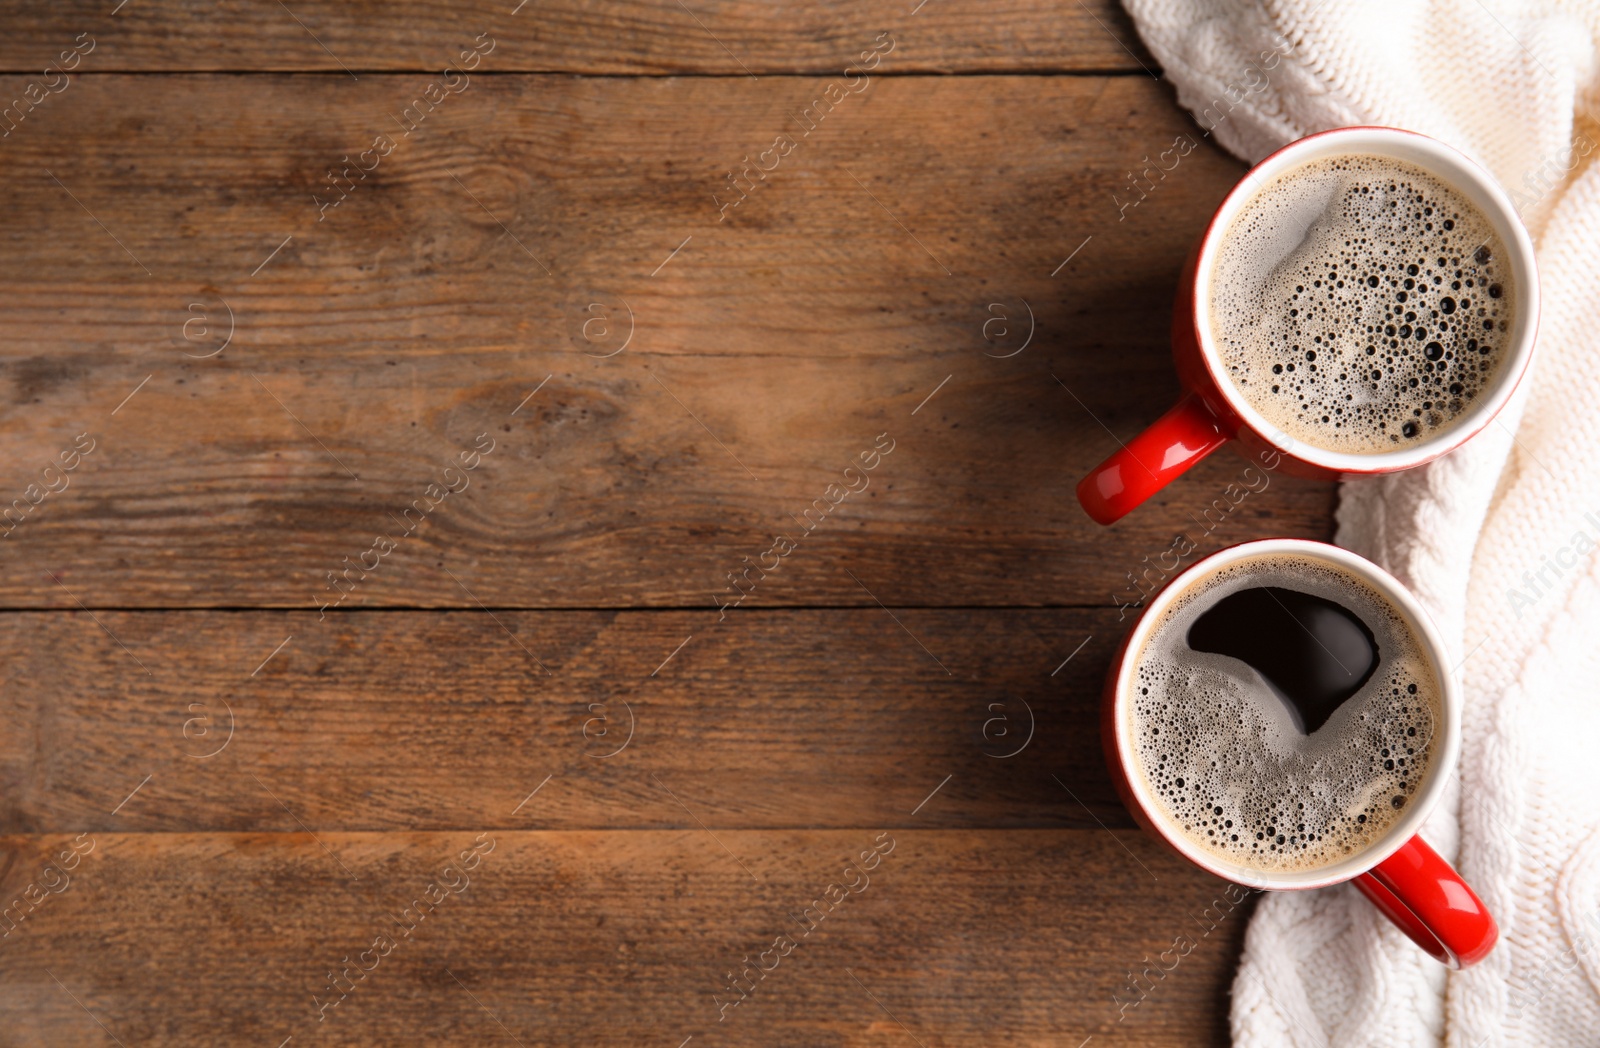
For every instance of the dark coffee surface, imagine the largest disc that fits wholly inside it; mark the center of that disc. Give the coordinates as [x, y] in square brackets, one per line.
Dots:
[1284, 713]
[1312, 653]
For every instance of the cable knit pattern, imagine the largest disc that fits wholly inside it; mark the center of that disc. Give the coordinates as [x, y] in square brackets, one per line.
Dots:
[1498, 540]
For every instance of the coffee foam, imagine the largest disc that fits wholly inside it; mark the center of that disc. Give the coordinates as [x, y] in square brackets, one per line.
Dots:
[1360, 304]
[1222, 760]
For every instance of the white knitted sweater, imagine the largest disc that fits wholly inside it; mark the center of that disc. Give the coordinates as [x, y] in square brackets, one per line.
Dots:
[1497, 540]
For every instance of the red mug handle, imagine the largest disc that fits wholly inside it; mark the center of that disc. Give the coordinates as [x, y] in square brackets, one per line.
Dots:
[1427, 899]
[1152, 460]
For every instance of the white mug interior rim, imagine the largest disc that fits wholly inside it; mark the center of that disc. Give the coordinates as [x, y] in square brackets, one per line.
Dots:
[1427, 795]
[1457, 170]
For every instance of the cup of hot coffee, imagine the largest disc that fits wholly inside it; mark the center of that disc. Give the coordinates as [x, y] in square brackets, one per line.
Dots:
[1284, 716]
[1364, 301]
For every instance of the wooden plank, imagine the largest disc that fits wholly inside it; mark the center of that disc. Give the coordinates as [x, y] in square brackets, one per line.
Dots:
[855, 292]
[649, 37]
[576, 939]
[435, 720]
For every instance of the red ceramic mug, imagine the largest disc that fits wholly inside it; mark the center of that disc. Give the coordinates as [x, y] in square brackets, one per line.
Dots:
[1212, 411]
[1404, 877]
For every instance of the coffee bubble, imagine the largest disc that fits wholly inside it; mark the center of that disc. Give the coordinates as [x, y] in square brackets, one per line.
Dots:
[1361, 304]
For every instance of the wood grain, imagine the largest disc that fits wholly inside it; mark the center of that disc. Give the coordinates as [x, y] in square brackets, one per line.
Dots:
[856, 292]
[954, 938]
[437, 720]
[252, 384]
[739, 38]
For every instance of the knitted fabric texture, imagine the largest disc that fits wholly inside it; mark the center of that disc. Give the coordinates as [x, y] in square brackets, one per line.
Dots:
[1498, 540]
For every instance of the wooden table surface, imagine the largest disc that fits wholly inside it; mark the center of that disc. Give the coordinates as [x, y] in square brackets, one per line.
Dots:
[384, 444]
